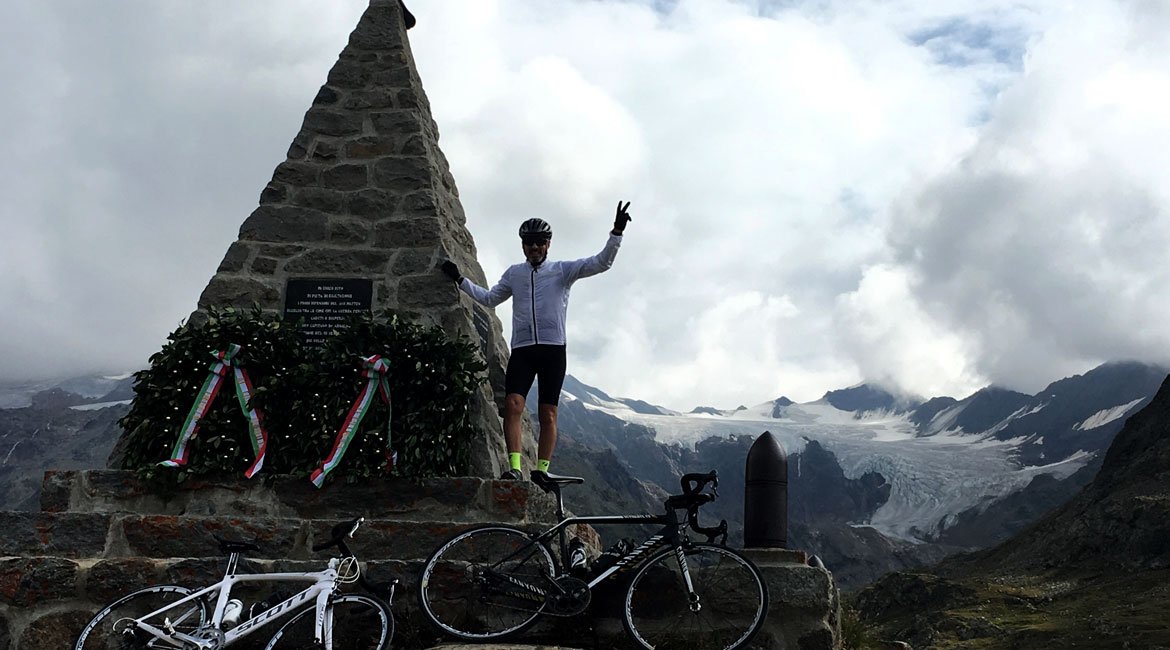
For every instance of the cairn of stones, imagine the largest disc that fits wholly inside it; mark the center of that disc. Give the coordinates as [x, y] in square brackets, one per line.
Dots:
[366, 194]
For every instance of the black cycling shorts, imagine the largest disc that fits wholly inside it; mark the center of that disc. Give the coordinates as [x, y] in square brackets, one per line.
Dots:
[532, 361]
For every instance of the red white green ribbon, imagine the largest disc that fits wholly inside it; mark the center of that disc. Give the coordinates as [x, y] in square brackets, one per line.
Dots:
[374, 369]
[224, 359]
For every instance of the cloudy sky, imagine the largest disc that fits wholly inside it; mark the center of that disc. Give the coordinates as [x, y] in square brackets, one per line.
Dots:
[931, 195]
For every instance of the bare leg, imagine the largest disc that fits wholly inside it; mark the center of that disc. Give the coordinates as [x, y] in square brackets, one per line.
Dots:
[548, 431]
[513, 409]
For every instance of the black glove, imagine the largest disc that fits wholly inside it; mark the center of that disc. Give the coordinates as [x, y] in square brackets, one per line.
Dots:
[622, 218]
[450, 270]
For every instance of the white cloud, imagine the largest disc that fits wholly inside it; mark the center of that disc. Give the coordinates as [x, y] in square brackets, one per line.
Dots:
[931, 194]
[1044, 245]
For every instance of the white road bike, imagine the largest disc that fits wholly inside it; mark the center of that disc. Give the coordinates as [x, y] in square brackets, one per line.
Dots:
[172, 617]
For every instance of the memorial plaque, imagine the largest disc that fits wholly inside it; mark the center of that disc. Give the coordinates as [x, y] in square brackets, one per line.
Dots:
[325, 305]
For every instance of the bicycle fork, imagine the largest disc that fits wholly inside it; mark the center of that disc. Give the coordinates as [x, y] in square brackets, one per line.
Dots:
[692, 597]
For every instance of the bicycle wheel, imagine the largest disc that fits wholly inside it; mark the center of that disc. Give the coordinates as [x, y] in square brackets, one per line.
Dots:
[110, 629]
[359, 623]
[473, 586]
[730, 605]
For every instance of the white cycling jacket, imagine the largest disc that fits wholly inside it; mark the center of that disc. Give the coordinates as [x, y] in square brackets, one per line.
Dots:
[541, 294]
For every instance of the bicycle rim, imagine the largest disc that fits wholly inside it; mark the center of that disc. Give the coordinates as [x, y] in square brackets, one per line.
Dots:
[732, 600]
[359, 623]
[469, 589]
[107, 630]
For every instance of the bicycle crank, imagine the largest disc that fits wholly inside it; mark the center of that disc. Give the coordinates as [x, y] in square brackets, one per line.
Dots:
[573, 600]
[209, 638]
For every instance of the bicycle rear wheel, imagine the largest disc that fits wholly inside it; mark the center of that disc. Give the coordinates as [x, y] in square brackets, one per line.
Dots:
[359, 623]
[730, 602]
[110, 628]
[479, 584]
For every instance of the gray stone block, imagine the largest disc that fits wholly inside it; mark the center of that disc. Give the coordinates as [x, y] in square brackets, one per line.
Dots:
[355, 232]
[54, 630]
[274, 193]
[235, 258]
[408, 233]
[402, 175]
[294, 172]
[367, 99]
[340, 261]
[372, 147]
[62, 534]
[395, 123]
[380, 29]
[325, 151]
[264, 265]
[109, 580]
[412, 261]
[36, 580]
[425, 292]
[163, 536]
[349, 75]
[238, 292]
[346, 177]
[57, 490]
[326, 96]
[372, 203]
[327, 201]
[285, 224]
[387, 539]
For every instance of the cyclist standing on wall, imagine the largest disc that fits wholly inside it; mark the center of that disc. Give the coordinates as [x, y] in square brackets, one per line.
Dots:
[541, 292]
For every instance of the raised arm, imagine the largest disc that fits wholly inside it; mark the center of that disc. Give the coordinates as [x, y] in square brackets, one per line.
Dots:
[488, 297]
[583, 268]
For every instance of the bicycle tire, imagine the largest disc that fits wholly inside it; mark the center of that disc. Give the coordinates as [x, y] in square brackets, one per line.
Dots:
[359, 623]
[733, 600]
[103, 631]
[459, 599]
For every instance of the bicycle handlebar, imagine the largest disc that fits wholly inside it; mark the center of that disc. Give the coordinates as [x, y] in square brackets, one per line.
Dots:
[693, 497]
[339, 534]
[694, 482]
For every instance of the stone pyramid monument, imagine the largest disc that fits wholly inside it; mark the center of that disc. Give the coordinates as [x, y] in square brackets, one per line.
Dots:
[362, 212]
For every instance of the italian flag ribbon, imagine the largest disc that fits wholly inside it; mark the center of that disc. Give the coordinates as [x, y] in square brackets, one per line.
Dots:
[224, 360]
[374, 369]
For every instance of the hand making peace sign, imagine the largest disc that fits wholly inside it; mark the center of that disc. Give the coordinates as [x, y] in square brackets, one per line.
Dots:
[622, 218]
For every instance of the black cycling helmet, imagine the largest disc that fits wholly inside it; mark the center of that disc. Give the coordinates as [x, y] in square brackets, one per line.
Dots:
[535, 228]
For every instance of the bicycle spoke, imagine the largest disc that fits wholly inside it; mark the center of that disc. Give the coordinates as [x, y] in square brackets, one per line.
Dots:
[359, 623]
[467, 588]
[732, 601]
[113, 629]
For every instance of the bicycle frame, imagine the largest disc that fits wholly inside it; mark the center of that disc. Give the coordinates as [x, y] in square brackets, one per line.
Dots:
[324, 584]
[670, 534]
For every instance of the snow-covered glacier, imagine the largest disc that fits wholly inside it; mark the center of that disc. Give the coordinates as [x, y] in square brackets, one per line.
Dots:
[932, 478]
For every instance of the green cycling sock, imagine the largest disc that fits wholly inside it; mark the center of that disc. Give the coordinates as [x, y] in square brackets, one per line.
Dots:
[514, 459]
[542, 465]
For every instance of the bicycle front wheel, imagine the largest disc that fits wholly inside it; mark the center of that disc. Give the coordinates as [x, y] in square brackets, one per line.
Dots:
[722, 610]
[113, 628]
[359, 623]
[484, 583]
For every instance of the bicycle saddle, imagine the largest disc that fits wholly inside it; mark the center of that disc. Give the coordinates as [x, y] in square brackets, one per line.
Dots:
[228, 546]
[549, 482]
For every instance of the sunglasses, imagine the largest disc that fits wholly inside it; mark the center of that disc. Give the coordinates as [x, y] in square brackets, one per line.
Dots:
[534, 241]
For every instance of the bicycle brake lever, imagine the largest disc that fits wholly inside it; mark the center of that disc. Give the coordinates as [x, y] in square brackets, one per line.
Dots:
[716, 531]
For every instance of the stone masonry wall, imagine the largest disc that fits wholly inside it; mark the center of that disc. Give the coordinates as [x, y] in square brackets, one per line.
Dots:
[365, 192]
[102, 534]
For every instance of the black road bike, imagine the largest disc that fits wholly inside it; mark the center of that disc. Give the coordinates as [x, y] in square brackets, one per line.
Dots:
[493, 581]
